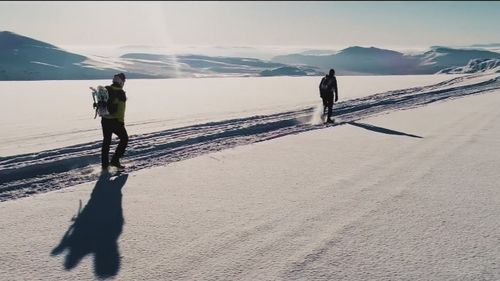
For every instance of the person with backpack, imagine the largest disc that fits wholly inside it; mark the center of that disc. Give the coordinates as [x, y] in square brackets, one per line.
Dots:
[329, 93]
[114, 123]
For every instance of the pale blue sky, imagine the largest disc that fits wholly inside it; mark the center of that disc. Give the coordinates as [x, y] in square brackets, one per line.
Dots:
[314, 24]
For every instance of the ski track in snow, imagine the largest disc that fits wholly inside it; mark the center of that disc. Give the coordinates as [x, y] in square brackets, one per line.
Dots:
[27, 174]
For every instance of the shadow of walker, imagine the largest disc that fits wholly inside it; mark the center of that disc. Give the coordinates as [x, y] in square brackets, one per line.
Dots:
[382, 130]
[95, 229]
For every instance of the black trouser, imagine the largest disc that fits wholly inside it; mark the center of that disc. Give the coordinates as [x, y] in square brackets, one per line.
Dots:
[110, 127]
[328, 102]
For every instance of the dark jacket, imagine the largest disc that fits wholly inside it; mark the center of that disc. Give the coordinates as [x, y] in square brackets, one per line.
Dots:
[329, 90]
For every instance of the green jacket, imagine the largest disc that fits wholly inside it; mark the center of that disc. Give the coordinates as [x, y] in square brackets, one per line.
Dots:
[117, 101]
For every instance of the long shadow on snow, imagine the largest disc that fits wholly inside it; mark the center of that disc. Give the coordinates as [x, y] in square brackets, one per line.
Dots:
[96, 229]
[381, 130]
[50, 169]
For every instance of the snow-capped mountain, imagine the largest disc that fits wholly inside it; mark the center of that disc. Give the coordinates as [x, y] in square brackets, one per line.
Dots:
[439, 58]
[474, 66]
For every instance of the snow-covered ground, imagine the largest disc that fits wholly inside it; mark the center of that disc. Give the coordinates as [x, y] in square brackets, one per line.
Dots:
[51, 136]
[40, 115]
[403, 187]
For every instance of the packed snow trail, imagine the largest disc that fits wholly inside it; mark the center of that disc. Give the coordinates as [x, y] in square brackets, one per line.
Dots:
[27, 174]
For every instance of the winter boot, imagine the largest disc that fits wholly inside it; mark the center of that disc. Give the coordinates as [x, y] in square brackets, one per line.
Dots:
[116, 163]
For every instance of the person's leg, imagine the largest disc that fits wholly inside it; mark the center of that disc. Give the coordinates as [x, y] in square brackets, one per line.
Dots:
[107, 132]
[330, 109]
[121, 132]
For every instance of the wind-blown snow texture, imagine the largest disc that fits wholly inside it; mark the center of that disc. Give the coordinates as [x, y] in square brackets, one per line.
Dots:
[27, 174]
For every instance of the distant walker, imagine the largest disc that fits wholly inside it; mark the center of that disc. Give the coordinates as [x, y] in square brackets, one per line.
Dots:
[328, 92]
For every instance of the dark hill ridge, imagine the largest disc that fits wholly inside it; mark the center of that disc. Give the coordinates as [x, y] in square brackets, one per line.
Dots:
[10, 40]
[17, 48]
[23, 58]
[357, 50]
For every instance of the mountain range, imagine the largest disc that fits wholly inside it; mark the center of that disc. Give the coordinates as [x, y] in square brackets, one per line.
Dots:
[375, 61]
[24, 58]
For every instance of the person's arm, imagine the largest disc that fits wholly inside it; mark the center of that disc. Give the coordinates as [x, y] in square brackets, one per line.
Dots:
[336, 90]
[320, 88]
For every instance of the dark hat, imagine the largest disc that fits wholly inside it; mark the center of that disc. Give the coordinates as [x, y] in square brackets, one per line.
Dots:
[332, 72]
[122, 76]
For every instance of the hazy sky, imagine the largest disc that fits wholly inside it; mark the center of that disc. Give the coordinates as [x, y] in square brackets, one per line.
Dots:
[315, 24]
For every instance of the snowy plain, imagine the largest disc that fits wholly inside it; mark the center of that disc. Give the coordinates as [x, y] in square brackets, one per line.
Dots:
[168, 120]
[403, 187]
[40, 115]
